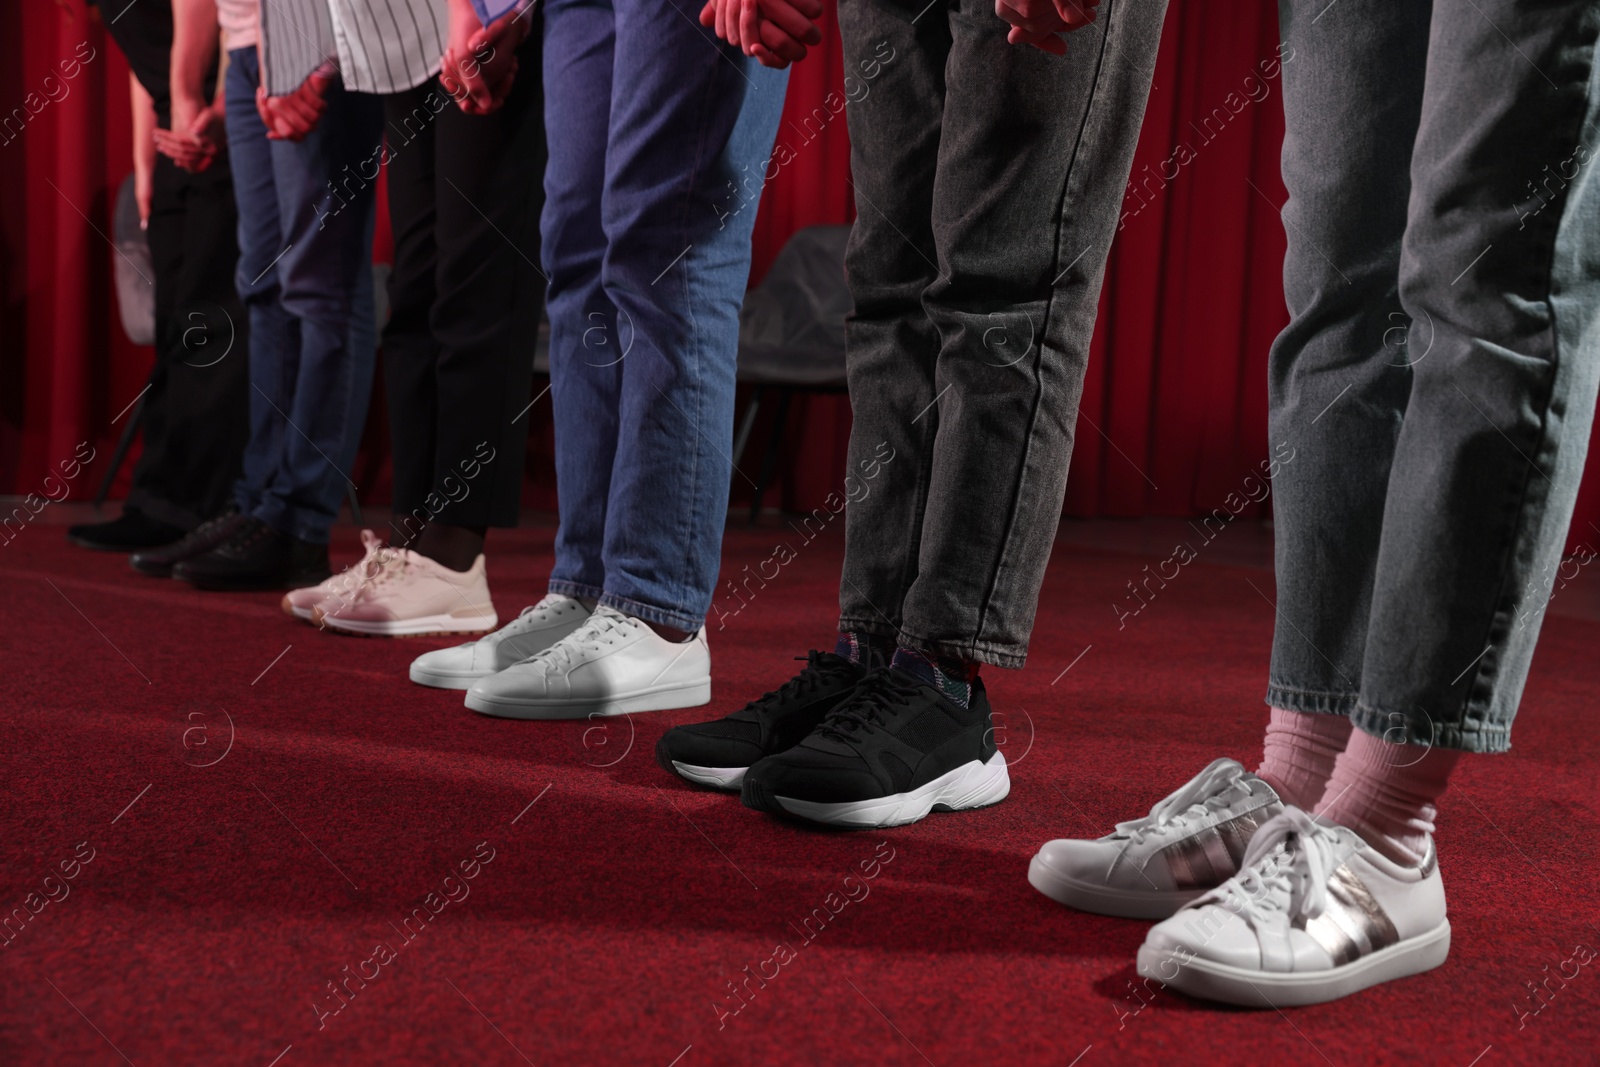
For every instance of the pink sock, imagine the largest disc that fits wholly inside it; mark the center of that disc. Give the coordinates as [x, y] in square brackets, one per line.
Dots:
[1387, 793]
[1299, 754]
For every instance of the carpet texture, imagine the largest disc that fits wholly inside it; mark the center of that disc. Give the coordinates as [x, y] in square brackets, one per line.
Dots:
[236, 840]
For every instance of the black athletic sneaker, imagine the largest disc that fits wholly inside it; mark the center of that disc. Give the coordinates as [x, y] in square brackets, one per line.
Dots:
[896, 750]
[717, 753]
[256, 557]
[129, 533]
[158, 562]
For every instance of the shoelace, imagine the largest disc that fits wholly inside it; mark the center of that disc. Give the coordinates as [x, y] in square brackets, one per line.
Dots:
[1284, 873]
[879, 697]
[377, 567]
[597, 631]
[808, 681]
[548, 604]
[207, 528]
[1193, 797]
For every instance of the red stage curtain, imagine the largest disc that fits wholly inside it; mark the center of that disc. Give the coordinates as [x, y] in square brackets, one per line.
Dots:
[1174, 409]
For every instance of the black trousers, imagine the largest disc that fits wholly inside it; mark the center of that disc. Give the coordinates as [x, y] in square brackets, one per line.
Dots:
[196, 412]
[464, 199]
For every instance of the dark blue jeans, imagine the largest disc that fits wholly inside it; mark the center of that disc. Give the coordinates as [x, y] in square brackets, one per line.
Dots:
[305, 276]
[659, 138]
[1434, 389]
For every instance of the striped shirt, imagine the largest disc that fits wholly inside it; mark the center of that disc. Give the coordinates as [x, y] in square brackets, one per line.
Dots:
[379, 46]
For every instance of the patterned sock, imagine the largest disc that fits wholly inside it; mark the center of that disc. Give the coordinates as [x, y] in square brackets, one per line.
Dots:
[1299, 754]
[1387, 793]
[951, 675]
[862, 648]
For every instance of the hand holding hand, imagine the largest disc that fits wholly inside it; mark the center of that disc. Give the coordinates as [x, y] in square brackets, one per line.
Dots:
[197, 135]
[479, 65]
[292, 116]
[1041, 22]
[774, 32]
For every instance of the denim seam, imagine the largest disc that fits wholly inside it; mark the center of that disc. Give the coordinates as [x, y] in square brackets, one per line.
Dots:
[577, 590]
[1482, 739]
[976, 650]
[1050, 306]
[1336, 702]
[686, 537]
[1480, 689]
[651, 613]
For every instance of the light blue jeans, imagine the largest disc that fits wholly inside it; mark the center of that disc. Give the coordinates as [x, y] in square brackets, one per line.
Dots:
[659, 139]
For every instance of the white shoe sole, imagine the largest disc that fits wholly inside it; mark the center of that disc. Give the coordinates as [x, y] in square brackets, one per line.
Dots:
[730, 778]
[971, 785]
[1268, 989]
[446, 679]
[422, 624]
[1104, 900]
[655, 698]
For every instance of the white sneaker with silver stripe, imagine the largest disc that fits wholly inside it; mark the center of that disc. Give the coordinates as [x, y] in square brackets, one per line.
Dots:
[1315, 915]
[1148, 868]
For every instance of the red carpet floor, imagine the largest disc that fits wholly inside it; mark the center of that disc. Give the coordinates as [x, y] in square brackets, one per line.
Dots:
[225, 877]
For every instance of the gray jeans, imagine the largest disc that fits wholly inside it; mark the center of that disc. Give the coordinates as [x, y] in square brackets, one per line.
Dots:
[988, 180]
[1436, 382]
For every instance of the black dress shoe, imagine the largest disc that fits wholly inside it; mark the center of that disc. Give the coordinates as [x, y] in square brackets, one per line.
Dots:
[133, 531]
[256, 557]
[158, 562]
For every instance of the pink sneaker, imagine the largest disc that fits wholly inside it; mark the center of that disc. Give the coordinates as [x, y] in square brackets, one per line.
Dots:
[406, 594]
[342, 586]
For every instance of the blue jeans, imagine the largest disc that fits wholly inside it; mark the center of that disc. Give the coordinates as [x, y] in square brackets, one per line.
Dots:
[1432, 395]
[305, 276]
[659, 139]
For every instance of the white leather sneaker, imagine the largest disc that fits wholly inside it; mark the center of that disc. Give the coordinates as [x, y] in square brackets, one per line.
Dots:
[1148, 868]
[611, 665]
[301, 603]
[410, 594]
[1315, 915]
[533, 631]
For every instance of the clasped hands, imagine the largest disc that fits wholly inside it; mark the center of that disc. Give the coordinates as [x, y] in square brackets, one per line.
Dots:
[778, 32]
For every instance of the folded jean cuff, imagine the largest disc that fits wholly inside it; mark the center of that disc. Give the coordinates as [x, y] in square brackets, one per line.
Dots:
[1311, 701]
[651, 613]
[1422, 730]
[577, 590]
[1006, 656]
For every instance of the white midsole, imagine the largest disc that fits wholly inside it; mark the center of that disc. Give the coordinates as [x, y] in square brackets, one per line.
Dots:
[446, 679]
[1106, 900]
[652, 698]
[971, 785]
[715, 777]
[422, 624]
[1271, 989]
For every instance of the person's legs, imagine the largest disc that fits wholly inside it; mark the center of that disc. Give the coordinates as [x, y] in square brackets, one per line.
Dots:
[644, 339]
[1339, 373]
[275, 337]
[186, 472]
[464, 203]
[971, 419]
[585, 352]
[891, 345]
[1499, 277]
[410, 351]
[325, 204]
[486, 309]
[689, 116]
[193, 426]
